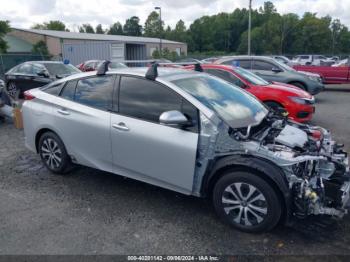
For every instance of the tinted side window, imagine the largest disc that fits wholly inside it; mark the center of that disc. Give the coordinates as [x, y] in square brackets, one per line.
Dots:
[69, 90]
[225, 75]
[95, 92]
[54, 89]
[262, 65]
[246, 64]
[145, 99]
[26, 68]
[37, 68]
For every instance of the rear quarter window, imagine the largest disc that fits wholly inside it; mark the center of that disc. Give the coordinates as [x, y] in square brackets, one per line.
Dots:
[53, 89]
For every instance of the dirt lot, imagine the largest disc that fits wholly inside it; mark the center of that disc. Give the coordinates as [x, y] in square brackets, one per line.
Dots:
[92, 212]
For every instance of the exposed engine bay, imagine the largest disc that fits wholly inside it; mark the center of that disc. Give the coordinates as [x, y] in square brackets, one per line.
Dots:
[316, 167]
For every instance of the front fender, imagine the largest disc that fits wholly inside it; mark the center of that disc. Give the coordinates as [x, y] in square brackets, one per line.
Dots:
[263, 167]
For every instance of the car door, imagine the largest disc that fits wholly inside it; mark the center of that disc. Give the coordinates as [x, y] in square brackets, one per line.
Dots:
[264, 69]
[143, 148]
[82, 120]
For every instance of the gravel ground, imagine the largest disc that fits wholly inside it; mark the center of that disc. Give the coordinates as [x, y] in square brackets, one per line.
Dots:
[92, 212]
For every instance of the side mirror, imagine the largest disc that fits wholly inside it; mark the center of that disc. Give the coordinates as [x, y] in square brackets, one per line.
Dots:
[173, 118]
[43, 73]
[276, 70]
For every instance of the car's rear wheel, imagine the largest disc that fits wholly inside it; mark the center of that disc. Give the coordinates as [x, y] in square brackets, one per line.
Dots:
[12, 90]
[53, 153]
[247, 202]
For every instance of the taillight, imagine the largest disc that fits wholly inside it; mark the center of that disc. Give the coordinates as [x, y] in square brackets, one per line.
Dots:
[28, 96]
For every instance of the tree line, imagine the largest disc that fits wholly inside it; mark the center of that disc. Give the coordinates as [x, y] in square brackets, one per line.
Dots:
[223, 33]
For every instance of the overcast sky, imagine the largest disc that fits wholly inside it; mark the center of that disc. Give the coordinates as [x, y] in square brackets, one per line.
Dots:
[25, 13]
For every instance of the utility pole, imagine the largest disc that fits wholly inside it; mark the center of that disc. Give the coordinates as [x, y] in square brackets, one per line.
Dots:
[160, 29]
[249, 27]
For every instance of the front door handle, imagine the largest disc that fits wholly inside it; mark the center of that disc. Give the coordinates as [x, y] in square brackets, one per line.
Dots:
[121, 126]
[63, 112]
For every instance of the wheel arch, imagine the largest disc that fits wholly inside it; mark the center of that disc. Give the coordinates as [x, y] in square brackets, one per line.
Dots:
[39, 134]
[298, 82]
[273, 101]
[263, 168]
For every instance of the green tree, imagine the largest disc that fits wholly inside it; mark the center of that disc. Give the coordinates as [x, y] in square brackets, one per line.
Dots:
[4, 29]
[180, 32]
[132, 26]
[40, 48]
[116, 29]
[51, 25]
[99, 29]
[153, 25]
[86, 28]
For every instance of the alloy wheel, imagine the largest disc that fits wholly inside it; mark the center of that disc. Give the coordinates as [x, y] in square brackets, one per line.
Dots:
[12, 90]
[51, 153]
[244, 204]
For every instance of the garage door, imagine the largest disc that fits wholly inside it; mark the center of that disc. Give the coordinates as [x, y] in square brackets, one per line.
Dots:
[117, 52]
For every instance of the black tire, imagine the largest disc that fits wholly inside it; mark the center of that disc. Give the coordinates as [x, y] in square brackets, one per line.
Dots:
[12, 91]
[51, 147]
[300, 85]
[268, 207]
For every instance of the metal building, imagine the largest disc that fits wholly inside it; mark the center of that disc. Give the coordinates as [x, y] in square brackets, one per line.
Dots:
[79, 47]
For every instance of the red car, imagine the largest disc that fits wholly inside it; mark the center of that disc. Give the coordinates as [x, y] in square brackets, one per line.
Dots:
[299, 103]
[329, 74]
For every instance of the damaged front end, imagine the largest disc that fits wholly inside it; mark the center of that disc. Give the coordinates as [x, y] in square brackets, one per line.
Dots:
[316, 167]
[320, 180]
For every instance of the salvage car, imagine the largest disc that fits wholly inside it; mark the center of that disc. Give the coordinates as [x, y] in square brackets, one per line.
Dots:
[195, 134]
[274, 71]
[29, 75]
[299, 104]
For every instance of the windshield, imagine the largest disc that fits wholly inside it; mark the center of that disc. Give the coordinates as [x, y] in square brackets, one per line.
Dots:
[250, 77]
[284, 66]
[61, 69]
[235, 106]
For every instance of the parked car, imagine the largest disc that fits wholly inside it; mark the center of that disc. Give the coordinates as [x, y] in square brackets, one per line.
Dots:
[192, 133]
[343, 62]
[298, 103]
[316, 60]
[274, 71]
[189, 60]
[209, 60]
[29, 75]
[284, 60]
[92, 65]
[329, 74]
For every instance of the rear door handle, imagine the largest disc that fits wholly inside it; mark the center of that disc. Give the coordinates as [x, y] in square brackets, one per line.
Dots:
[63, 112]
[121, 126]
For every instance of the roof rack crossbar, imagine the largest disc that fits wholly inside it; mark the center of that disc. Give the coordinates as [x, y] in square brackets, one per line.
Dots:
[103, 68]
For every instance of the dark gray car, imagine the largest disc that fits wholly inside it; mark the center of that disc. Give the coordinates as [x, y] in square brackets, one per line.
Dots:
[274, 71]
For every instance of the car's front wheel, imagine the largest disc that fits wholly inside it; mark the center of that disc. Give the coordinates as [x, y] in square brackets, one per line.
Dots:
[12, 90]
[247, 202]
[53, 153]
